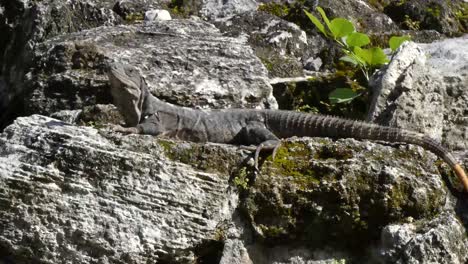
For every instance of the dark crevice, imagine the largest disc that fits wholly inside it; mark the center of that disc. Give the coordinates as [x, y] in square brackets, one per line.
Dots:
[209, 251]
[15, 109]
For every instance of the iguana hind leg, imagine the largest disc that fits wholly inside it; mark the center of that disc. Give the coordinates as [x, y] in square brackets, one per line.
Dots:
[256, 133]
[272, 145]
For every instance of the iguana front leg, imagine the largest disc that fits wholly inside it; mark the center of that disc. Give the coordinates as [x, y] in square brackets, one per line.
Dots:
[127, 130]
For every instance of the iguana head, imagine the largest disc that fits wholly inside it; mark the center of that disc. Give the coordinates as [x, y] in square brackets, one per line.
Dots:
[126, 89]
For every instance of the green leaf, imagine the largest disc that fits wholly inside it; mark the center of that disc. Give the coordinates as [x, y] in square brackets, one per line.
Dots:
[353, 58]
[341, 27]
[342, 95]
[373, 57]
[395, 42]
[324, 17]
[349, 59]
[316, 22]
[357, 39]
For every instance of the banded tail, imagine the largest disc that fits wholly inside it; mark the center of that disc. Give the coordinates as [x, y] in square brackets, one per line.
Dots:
[287, 124]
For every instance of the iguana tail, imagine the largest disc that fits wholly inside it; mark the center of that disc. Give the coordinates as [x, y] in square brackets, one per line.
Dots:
[287, 124]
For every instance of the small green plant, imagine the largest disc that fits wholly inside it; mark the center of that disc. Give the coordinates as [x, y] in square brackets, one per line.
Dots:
[355, 46]
[410, 23]
[241, 180]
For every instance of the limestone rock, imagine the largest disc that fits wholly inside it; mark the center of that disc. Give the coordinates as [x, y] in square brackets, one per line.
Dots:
[82, 195]
[26, 23]
[157, 14]
[214, 9]
[73, 194]
[424, 88]
[447, 17]
[364, 15]
[188, 61]
[135, 9]
[282, 46]
[441, 240]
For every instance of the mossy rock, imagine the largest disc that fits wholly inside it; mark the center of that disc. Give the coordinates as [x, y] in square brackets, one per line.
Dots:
[320, 193]
[447, 17]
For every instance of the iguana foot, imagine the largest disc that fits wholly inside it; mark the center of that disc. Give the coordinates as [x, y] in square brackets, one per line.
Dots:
[126, 130]
[266, 145]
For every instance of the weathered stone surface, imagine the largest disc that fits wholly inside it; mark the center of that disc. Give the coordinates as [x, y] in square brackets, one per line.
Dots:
[76, 194]
[365, 16]
[447, 17]
[157, 14]
[214, 9]
[131, 10]
[282, 46]
[24, 24]
[71, 194]
[188, 61]
[424, 88]
[337, 194]
[441, 240]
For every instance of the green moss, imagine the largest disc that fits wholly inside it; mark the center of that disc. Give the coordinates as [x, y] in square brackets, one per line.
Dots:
[184, 8]
[292, 159]
[268, 64]
[401, 2]
[461, 14]
[167, 145]
[277, 9]
[434, 11]
[187, 155]
[219, 234]
[272, 231]
[379, 4]
[134, 17]
[278, 65]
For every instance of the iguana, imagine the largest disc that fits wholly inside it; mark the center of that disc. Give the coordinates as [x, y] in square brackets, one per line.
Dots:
[146, 114]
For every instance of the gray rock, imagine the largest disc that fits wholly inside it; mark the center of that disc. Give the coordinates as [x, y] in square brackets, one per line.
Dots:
[441, 240]
[281, 45]
[188, 61]
[443, 16]
[73, 194]
[215, 9]
[313, 64]
[67, 116]
[363, 15]
[24, 24]
[135, 9]
[424, 88]
[157, 14]
[341, 202]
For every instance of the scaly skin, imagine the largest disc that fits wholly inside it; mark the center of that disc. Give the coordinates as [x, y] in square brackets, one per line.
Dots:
[146, 114]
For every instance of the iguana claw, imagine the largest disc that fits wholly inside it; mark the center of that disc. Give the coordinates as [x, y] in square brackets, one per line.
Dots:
[266, 145]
